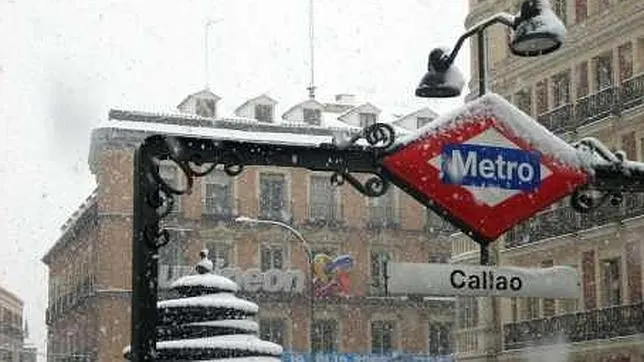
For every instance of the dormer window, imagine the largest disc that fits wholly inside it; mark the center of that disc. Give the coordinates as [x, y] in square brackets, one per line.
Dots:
[367, 119]
[205, 107]
[422, 121]
[312, 116]
[264, 113]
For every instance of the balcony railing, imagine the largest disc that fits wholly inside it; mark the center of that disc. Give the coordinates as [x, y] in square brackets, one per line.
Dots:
[593, 107]
[564, 220]
[632, 92]
[590, 325]
[325, 214]
[383, 217]
[559, 119]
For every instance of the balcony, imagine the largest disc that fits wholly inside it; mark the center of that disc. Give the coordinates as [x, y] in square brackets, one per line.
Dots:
[325, 214]
[559, 119]
[564, 220]
[632, 92]
[593, 107]
[383, 217]
[590, 325]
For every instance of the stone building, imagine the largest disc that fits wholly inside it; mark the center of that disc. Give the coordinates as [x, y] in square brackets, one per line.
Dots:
[592, 87]
[90, 264]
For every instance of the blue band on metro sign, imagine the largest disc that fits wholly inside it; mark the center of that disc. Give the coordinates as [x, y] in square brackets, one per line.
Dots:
[488, 166]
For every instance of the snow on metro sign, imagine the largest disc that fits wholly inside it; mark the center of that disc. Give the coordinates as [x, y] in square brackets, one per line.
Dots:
[486, 167]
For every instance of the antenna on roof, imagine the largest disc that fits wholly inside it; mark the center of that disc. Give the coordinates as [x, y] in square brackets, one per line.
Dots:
[207, 52]
[311, 87]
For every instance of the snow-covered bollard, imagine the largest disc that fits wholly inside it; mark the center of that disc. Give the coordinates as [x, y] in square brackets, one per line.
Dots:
[209, 323]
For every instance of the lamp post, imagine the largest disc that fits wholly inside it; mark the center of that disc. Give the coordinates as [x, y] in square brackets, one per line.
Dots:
[536, 30]
[309, 260]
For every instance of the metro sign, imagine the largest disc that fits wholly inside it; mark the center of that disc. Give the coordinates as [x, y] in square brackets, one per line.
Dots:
[478, 173]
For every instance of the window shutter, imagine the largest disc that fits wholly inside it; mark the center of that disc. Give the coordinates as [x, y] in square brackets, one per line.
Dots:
[588, 279]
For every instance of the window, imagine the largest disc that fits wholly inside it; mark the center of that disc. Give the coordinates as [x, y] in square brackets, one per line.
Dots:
[272, 257]
[324, 335]
[625, 55]
[439, 339]
[218, 194]
[264, 112]
[542, 96]
[170, 174]
[272, 196]
[220, 252]
[468, 312]
[382, 336]
[367, 119]
[173, 253]
[513, 309]
[560, 8]
[629, 145]
[523, 100]
[322, 199]
[581, 10]
[561, 88]
[383, 211]
[379, 260]
[531, 308]
[272, 329]
[548, 304]
[312, 116]
[603, 71]
[611, 282]
[582, 79]
[437, 224]
[422, 121]
[205, 107]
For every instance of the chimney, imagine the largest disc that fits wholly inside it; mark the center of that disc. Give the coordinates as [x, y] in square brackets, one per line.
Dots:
[345, 99]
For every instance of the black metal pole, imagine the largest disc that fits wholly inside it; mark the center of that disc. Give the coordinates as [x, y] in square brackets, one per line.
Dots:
[485, 251]
[482, 62]
[144, 262]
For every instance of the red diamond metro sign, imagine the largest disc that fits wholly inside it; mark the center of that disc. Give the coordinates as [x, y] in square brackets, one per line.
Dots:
[486, 168]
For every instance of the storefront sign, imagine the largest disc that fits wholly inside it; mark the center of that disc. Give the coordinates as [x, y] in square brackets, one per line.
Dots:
[271, 281]
[474, 280]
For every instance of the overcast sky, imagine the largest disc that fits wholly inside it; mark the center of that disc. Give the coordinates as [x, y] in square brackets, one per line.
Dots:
[64, 64]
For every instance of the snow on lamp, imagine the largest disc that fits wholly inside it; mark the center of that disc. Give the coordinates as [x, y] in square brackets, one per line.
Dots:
[442, 79]
[537, 30]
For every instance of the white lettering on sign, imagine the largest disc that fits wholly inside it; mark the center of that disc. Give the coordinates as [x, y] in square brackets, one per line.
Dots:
[272, 280]
[473, 280]
[499, 168]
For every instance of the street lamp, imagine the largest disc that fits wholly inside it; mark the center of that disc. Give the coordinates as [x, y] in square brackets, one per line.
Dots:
[536, 30]
[309, 259]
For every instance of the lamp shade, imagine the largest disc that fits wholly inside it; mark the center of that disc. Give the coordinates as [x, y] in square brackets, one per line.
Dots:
[442, 80]
[537, 30]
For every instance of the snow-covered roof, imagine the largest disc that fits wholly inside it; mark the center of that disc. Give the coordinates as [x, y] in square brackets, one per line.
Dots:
[310, 103]
[220, 300]
[367, 106]
[205, 93]
[212, 281]
[282, 138]
[414, 113]
[507, 115]
[261, 96]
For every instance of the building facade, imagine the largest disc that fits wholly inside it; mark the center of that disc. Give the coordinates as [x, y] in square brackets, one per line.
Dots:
[12, 334]
[90, 264]
[592, 87]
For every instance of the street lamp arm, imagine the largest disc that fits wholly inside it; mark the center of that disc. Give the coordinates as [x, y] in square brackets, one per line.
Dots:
[286, 226]
[502, 17]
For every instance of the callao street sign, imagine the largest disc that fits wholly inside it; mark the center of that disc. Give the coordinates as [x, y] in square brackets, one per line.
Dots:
[486, 167]
[474, 280]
